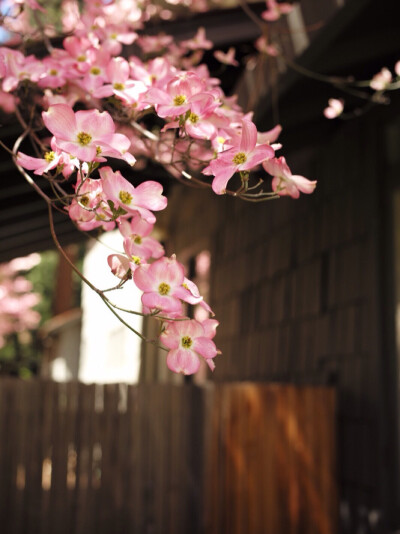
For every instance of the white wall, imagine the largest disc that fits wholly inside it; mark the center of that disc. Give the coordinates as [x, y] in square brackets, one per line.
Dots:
[110, 352]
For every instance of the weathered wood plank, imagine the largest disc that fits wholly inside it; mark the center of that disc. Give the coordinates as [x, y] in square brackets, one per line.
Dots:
[234, 458]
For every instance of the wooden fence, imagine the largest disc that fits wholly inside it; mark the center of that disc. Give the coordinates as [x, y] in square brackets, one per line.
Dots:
[161, 459]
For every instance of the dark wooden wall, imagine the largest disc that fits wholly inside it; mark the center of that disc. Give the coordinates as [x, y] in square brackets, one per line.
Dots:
[297, 288]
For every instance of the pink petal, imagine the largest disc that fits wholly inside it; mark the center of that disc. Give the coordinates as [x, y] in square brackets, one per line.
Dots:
[277, 167]
[303, 184]
[249, 136]
[162, 302]
[183, 361]
[119, 265]
[60, 121]
[205, 347]
[258, 155]
[202, 129]
[149, 195]
[98, 124]
[222, 178]
[83, 153]
[210, 327]
[191, 328]
[169, 271]
[170, 338]
[144, 279]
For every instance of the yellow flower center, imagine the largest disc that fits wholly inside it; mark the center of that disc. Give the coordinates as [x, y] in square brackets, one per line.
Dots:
[164, 288]
[186, 342]
[136, 260]
[84, 200]
[98, 150]
[119, 86]
[125, 197]
[179, 100]
[53, 72]
[239, 158]
[84, 138]
[138, 240]
[81, 58]
[49, 156]
[95, 70]
[193, 118]
[113, 35]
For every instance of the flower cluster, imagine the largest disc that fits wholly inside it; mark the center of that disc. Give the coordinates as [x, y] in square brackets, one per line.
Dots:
[16, 298]
[93, 99]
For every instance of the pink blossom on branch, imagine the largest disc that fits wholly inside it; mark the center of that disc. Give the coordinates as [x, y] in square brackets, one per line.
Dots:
[283, 182]
[141, 199]
[244, 155]
[175, 99]
[16, 297]
[334, 108]
[198, 42]
[137, 241]
[165, 287]
[162, 285]
[188, 341]
[52, 159]
[86, 135]
[212, 135]
[381, 80]
[227, 58]
[275, 10]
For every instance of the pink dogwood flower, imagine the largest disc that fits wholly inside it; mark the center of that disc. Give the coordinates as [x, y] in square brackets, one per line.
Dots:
[334, 108]
[201, 121]
[141, 199]
[52, 159]
[175, 99]
[275, 10]
[162, 285]
[188, 341]
[381, 80]
[227, 58]
[243, 155]
[123, 267]
[199, 41]
[264, 47]
[119, 83]
[138, 243]
[283, 182]
[16, 67]
[87, 135]
[89, 209]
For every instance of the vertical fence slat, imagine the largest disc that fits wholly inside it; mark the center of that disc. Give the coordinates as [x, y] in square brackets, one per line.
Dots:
[19, 441]
[107, 513]
[84, 451]
[133, 407]
[58, 494]
[7, 433]
[121, 496]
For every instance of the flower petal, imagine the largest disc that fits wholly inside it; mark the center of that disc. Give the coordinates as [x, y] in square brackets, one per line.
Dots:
[60, 121]
[183, 361]
[249, 136]
[205, 347]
